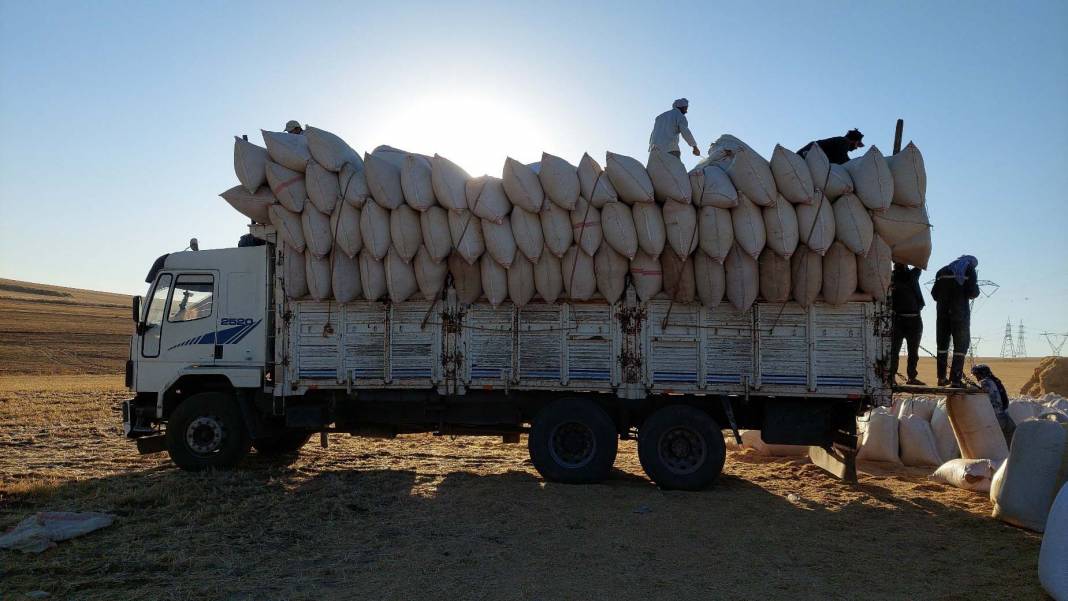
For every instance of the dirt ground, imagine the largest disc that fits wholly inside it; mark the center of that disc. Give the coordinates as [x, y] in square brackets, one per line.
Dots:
[442, 517]
[54, 330]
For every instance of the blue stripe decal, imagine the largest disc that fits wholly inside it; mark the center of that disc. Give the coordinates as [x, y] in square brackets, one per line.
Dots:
[228, 336]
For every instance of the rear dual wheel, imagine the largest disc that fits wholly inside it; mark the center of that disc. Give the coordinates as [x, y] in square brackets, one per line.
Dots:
[681, 448]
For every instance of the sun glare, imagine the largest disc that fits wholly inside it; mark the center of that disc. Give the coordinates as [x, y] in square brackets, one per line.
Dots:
[475, 131]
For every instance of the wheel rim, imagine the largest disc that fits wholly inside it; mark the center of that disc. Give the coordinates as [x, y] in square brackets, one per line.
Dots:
[682, 450]
[572, 444]
[204, 435]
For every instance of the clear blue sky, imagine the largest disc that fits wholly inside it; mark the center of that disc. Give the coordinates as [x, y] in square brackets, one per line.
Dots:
[118, 117]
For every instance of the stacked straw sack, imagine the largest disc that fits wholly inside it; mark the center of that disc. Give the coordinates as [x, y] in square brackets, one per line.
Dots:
[395, 224]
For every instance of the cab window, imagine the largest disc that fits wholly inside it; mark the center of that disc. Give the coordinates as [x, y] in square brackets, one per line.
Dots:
[154, 316]
[193, 298]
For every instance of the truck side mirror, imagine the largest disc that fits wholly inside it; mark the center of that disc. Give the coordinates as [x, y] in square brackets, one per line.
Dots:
[136, 307]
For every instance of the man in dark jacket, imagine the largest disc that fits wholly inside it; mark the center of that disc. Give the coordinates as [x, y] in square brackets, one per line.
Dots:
[838, 148]
[907, 301]
[955, 286]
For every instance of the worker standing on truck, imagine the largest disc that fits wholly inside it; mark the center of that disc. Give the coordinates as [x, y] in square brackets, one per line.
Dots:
[999, 399]
[669, 125]
[907, 301]
[293, 127]
[955, 286]
[837, 148]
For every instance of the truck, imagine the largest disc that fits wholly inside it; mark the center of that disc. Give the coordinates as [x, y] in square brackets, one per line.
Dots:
[223, 362]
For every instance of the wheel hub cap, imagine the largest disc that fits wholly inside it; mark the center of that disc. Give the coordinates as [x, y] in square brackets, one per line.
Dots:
[682, 450]
[204, 434]
[572, 444]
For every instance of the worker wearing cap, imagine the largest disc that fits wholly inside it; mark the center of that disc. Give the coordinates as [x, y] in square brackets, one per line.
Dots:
[293, 127]
[838, 148]
[669, 125]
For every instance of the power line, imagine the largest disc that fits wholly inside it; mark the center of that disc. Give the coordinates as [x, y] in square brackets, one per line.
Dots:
[1021, 344]
[1007, 348]
[1056, 342]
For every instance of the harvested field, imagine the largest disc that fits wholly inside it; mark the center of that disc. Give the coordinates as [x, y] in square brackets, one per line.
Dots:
[1012, 372]
[426, 516]
[54, 330]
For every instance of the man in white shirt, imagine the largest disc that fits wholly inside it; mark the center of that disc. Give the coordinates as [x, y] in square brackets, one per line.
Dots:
[668, 126]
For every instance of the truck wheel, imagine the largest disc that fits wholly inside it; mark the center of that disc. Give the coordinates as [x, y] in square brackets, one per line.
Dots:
[288, 442]
[207, 431]
[681, 448]
[573, 441]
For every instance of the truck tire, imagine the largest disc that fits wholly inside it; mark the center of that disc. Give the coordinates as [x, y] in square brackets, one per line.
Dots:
[681, 448]
[573, 441]
[207, 431]
[286, 443]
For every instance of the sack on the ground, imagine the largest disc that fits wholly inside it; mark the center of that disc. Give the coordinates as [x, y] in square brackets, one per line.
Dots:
[1024, 486]
[976, 427]
[1022, 410]
[943, 433]
[752, 439]
[969, 474]
[918, 448]
[880, 441]
[1053, 556]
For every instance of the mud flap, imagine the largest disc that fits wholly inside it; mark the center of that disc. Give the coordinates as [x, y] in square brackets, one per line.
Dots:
[152, 444]
[837, 460]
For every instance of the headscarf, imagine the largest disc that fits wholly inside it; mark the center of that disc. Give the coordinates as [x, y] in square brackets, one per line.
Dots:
[960, 267]
[681, 102]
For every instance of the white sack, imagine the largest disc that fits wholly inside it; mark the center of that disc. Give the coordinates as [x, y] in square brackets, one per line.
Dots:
[288, 150]
[353, 183]
[294, 277]
[806, 275]
[500, 243]
[345, 277]
[417, 182]
[287, 224]
[494, 280]
[629, 178]
[839, 274]
[976, 427]
[917, 441]
[610, 269]
[383, 179]
[910, 176]
[1024, 486]
[372, 276]
[556, 228]
[678, 273]
[586, 226]
[526, 229]
[945, 441]
[250, 164]
[429, 274]
[880, 441]
[839, 182]
[750, 172]
[521, 282]
[548, 279]
[969, 474]
[649, 227]
[486, 197]
[522, 186]
[560, 180]
[852, 224]
[774, 273]
[819, 167]
[646, 274]
[1023, 410]
[317, 234]
[329, 150]
[322, 186]
[287, 186]
[400, 277]
[897, 224]
[710, 279]
[815, 224]
[317, 271]
[450, 183]
[345, 225]
[872, 179]
[1053, 556]
[749, 231]
[404, 232]
[466, 279]
[576, 267]
[716, 234]
[743, 279]
[792, 176]
[753, 439]
[710, 186]
[918, 406]
[617, 227]
[434, 226]
[254, 206]
[680, 226]
[874, 269]
[780, 227]
[466, 232]
[915, 251]
[669, 178]
[594, 182]
[374, 228]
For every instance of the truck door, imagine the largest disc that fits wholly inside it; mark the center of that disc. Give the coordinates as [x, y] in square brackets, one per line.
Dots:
[180, 326]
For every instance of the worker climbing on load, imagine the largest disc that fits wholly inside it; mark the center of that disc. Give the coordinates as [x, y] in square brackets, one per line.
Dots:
[837, 148]
[669, 125]
[955, 286]
[907, 301]
[999, 399]
[293, 127]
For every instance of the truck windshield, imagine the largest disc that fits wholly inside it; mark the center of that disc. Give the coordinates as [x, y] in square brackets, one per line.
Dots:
[154, 316]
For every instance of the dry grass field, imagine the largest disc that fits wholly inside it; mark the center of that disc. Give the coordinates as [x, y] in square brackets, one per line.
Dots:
[441, 517]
